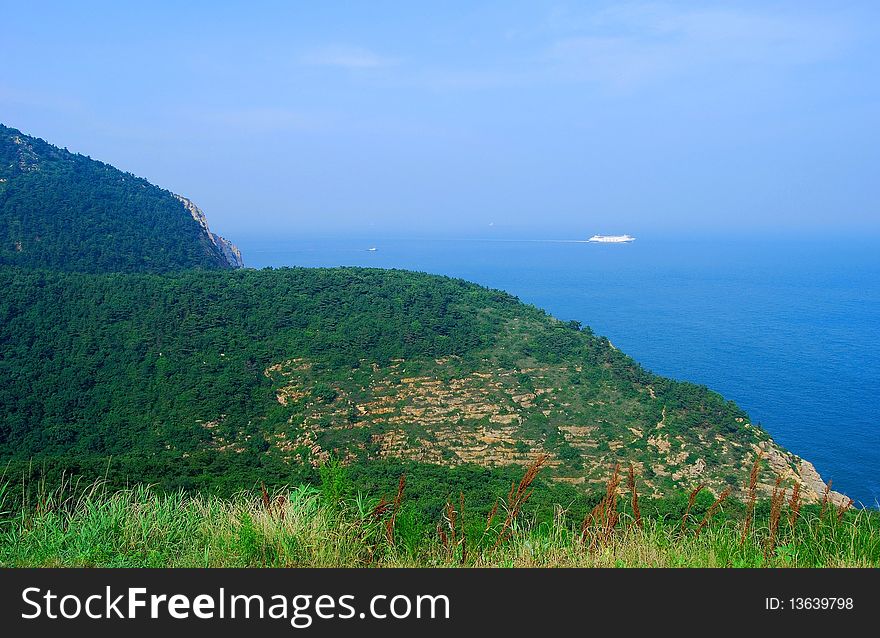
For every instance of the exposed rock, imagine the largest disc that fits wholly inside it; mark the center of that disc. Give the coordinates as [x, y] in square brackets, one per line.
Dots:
[486, 417]
[810, 479]
[661, 442]
[792, 468]
[28, 159]
[229, 251]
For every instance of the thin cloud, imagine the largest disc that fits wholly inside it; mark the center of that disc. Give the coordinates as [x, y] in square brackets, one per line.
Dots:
[41, 100]
[629, 47]
[474, 79]
[632, 45]
[346, 57]
[255, 120]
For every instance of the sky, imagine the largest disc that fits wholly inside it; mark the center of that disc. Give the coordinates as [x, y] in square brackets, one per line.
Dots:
[470, 119]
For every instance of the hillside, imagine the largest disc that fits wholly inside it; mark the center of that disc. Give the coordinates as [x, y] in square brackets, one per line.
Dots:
[201, 379]
[63, 211]
[132, 347]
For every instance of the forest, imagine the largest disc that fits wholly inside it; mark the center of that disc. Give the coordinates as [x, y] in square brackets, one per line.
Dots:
[166, 378]
[63, 211]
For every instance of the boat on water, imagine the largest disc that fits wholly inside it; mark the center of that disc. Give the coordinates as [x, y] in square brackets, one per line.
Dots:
[611, 239]
[372, 249]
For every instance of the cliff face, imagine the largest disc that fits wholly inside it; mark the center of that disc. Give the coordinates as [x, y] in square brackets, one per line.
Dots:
[230, 252]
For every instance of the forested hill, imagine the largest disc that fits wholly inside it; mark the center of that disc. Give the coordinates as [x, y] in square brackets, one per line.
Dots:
[201, 379]
[63, 211]
[127, 334]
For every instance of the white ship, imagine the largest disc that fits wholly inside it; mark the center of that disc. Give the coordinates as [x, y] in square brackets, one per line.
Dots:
[372, 249]
[611, 239]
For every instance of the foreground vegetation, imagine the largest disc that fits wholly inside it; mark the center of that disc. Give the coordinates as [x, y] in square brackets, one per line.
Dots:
[327, 526]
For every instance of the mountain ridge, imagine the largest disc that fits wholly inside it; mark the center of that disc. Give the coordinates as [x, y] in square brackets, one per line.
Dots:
[65, 211]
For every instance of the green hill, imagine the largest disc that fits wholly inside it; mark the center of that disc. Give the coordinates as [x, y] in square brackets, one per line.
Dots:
[63, 211]
[194, 374]
[207, 378]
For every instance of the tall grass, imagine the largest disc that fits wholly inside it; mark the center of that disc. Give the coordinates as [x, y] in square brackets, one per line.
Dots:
[89, 525]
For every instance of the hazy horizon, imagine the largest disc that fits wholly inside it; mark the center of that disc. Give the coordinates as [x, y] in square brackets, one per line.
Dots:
[491, 120]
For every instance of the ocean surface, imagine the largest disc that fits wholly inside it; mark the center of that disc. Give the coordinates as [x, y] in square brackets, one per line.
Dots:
[789, 330]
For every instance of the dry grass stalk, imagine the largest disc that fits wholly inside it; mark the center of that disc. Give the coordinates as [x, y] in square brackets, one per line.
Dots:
[752, 495]
[265, 496]
[450, 521]
[825, 496]
[395, 508]
[611, 515]
[461, 523]
[279, 505]
[631, 483]
[381, 509]
[794, 505]
[692, 498]
[841, 510]
[777, 500]
[454, 522]
[444, 539]
[517, 497]
[604, 516]
[491, 516]
[272, 506]
[713, 509]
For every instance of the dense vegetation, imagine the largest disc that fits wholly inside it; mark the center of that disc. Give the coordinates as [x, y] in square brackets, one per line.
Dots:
[186, 380]
[63, 211]
[337, 523]
[133, 365]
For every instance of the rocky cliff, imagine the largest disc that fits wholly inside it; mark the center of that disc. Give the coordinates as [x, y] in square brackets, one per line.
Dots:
[228, 250]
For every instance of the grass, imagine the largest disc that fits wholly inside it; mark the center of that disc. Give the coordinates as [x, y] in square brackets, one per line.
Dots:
[74, 526]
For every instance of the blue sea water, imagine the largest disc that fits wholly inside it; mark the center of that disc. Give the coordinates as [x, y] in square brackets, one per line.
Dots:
[788, 329]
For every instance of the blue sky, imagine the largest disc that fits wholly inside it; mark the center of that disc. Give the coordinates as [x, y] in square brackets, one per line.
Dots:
[471, 119]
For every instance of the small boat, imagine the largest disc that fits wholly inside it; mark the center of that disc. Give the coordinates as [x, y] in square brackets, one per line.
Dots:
[611, 239]
[372, 249]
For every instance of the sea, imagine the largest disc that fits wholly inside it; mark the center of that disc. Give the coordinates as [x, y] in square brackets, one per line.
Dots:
[789, 329]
